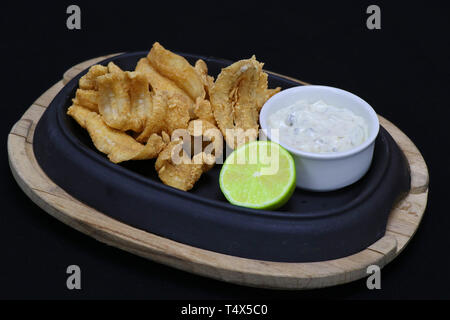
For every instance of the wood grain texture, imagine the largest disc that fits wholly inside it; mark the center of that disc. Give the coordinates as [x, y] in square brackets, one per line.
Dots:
[403, 220]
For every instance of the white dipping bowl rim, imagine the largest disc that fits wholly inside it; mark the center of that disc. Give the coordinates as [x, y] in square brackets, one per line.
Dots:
[372, 134]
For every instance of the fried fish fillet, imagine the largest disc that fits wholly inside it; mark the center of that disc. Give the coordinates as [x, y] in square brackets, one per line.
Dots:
[124, 100]
[176, 169]
[170, 111]
[88, 81]
[87, 94]
[140, 100]
[156, 80]
[87, 99]
[263, 93]
[117, 145]
[160, 83]
[202, 70]
[203, 110]
[208, 139]
[233, 98]
[112, 67]
[238, 94]
[177, 69]
[181, 169]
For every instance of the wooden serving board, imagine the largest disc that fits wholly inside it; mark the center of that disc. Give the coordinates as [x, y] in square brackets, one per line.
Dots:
[402, 224]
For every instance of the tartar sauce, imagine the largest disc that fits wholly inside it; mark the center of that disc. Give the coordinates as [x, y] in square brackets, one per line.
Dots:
[319, 127]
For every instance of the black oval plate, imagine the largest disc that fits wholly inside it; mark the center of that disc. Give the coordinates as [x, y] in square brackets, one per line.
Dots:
[310, 227]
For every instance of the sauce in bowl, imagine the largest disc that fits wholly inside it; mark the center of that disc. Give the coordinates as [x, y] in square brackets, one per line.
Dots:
[318, 127]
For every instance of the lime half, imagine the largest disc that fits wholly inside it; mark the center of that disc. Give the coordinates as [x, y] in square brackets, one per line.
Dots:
[258, 175]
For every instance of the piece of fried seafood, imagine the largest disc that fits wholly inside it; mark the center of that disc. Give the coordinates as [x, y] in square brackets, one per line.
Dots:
[159, 83]
[237, 96]
[203, 110]
[206, 141]
[202, 70]
[124, 100]
[87, 93]
[233, 99]
[191, 152]
[177, 69]
[170, 111]
[263, 92]
[117, 145]
[88, 81]
[112, 68]
[87, 98]
[176, 169]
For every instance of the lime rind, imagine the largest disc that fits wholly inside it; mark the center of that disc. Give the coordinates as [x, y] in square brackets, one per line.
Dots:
[273, 202]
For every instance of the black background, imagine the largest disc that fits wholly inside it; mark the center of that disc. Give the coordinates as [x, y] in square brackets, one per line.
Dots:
[402, 70]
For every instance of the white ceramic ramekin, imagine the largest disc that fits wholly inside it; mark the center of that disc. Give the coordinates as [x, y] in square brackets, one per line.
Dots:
[326, 171]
